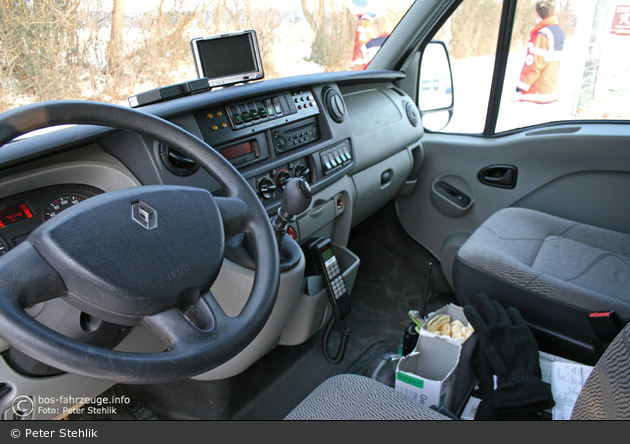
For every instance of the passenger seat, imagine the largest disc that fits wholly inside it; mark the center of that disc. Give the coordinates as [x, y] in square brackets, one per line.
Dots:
[557, 272]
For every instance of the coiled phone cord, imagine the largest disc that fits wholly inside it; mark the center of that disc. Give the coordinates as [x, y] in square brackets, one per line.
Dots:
[343, 343]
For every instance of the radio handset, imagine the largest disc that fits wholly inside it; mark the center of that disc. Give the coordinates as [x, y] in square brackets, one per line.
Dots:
[322, 258]
[326, 265]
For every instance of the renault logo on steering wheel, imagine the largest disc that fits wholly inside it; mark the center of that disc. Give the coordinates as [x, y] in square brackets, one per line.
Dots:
[144, 215]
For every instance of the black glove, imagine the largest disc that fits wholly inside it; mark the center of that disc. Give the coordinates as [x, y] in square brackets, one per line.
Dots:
[486, 410]
[511, 354]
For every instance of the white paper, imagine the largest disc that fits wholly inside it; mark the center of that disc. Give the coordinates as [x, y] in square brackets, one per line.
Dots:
[546, 359]
[471, 409]
[567, 381]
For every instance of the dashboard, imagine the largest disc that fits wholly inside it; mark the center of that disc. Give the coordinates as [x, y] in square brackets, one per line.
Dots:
[354, 137]
[327, 129]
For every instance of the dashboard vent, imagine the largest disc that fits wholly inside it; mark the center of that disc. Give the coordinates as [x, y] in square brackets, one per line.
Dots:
[334, 105]
[176, 162]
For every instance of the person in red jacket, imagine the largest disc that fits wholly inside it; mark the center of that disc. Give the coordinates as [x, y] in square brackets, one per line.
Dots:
[379, 31]
[539, 77]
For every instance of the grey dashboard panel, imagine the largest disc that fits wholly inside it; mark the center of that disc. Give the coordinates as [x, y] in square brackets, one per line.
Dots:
[378, 184]
[380, 123]
[231, 289]
[90, 166]
[371, 111]
[383, 132]
[59, 394]
[268, 138]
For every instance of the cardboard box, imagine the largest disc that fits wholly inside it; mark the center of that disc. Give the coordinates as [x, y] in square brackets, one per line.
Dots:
[439, 371]
[455, 312]
[427, 374]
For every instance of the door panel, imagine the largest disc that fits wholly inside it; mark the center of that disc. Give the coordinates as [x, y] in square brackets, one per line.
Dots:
[579, 172]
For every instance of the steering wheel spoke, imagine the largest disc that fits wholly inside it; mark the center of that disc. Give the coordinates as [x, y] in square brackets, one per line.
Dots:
[175, 328]
[234, 213]
[27, 278]
[190, 326]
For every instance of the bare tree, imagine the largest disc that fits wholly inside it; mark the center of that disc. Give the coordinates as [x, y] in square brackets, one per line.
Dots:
[46, 50]
[333, 33]
[114, 52]
[161, 51]
[236, 15]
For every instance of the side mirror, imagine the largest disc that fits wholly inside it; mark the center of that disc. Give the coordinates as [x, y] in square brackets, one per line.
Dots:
[435, 92]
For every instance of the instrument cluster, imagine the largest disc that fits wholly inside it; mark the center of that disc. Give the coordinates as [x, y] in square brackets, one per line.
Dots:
[22, 213]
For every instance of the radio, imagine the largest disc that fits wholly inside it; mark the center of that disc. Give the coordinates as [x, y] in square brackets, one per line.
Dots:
[295, 135]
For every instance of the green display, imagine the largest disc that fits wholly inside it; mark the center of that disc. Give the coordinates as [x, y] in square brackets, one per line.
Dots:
[327, 253]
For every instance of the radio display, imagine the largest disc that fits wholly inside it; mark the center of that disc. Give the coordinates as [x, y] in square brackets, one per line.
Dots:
[14, 214]
[235, 151]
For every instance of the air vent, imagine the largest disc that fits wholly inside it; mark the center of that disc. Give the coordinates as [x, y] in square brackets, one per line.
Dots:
[334, 105]
[176, 162]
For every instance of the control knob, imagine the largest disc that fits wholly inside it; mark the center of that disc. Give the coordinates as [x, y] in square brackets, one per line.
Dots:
[282, 178]
[301, 171]
[266, 188]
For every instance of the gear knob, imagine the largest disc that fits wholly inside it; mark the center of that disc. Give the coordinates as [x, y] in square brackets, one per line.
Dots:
[296, 198]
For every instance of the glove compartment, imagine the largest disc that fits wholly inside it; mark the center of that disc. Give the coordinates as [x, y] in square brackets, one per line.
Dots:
[378, 184]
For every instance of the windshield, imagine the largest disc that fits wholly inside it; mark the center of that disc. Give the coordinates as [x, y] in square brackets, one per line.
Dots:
[109, 50]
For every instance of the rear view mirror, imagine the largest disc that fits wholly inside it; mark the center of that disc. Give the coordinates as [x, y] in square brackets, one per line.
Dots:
[435, 91]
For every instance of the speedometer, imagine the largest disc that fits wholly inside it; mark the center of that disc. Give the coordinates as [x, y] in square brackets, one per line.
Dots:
[62, 203]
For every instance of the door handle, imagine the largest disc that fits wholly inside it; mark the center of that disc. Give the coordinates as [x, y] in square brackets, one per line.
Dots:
[453, 194]
[501, 176]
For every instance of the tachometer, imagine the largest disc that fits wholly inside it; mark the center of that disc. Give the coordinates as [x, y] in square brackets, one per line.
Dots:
[62, 203]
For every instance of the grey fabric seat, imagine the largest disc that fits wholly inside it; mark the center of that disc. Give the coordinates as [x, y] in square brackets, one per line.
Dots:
[354, 397]
[605, 395]
[555, 271]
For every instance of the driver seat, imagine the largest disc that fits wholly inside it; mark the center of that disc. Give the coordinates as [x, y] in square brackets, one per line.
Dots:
[605, 395]
[354, 397]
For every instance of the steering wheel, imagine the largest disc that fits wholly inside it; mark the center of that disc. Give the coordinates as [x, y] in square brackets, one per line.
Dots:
[141, 256]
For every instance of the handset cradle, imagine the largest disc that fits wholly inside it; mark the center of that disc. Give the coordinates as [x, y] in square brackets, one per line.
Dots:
[326, 264]
[321, 260]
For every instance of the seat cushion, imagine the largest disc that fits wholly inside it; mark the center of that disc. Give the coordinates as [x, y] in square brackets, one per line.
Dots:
[555, 271]
[606, 393]
[354, 397]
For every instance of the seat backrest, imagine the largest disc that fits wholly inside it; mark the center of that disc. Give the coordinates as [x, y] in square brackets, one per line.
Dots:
[606, 394]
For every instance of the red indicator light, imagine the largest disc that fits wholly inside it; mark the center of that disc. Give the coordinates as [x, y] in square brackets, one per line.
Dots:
[26, 211]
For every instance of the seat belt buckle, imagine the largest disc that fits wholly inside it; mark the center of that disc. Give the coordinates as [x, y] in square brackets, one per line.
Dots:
[606, 325]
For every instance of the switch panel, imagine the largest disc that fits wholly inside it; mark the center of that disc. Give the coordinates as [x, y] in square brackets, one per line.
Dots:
[335, 157]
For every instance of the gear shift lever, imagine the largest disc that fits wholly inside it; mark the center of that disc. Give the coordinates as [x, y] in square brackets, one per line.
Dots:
[296, 198]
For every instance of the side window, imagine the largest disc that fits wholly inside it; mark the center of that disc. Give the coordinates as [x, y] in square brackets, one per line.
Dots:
[568, 60]
[470, 35]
